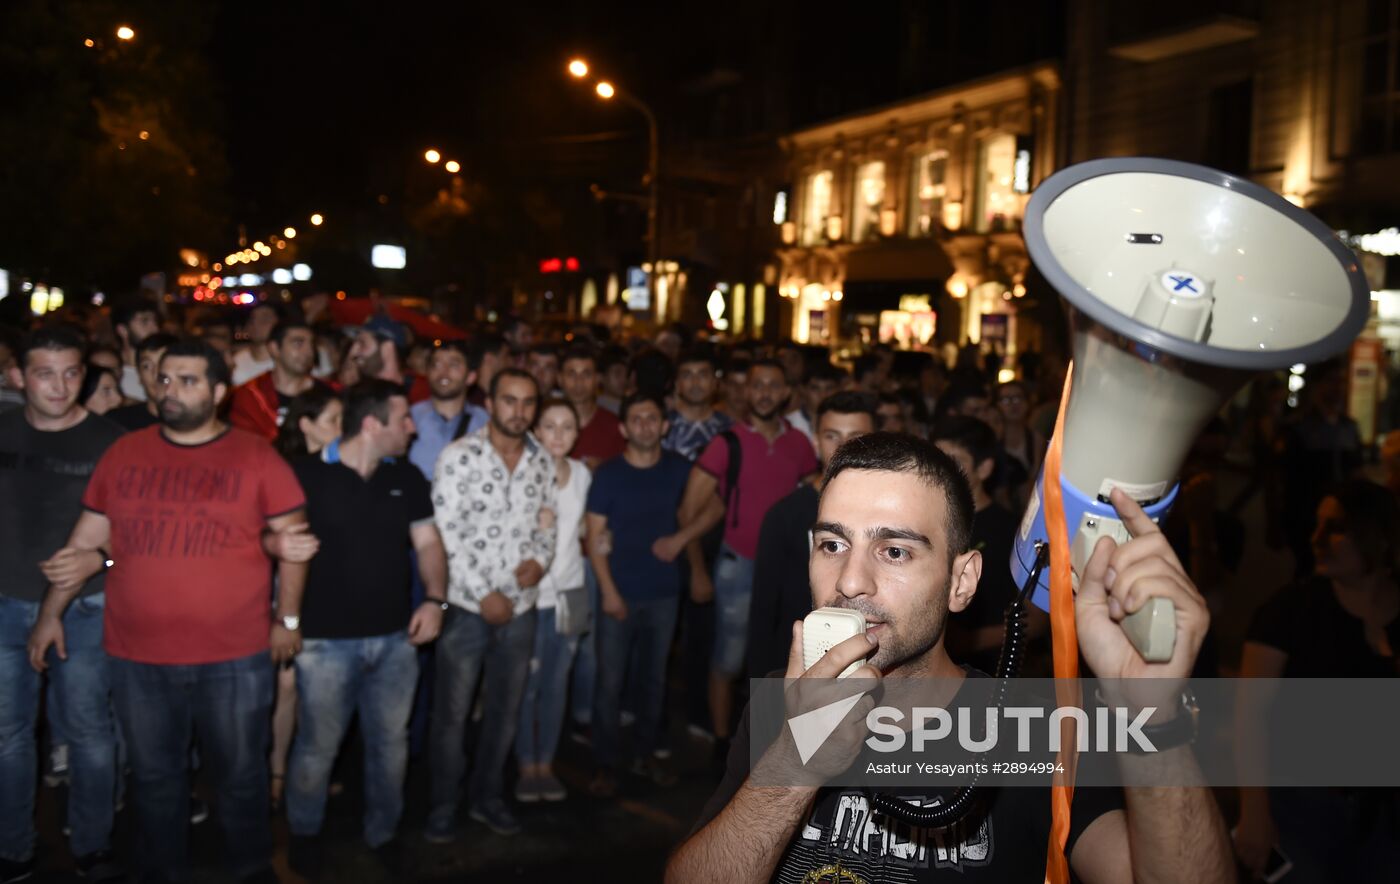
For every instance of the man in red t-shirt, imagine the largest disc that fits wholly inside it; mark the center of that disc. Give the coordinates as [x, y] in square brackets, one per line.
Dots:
[599, 434]
[185, 515]
[259, 405]
[773, 458]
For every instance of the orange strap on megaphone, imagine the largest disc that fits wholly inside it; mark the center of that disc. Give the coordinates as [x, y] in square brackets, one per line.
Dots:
[1065, 646]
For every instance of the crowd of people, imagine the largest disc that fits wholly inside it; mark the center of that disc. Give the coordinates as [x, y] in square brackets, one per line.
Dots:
[223, 544]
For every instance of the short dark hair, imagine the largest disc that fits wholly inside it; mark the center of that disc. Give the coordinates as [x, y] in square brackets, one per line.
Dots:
[824, 371]
[1372, 523]
[849, 402]
[577, 353]
[543, 350]
[123, 313]
[972, 435]
[369, 398]
[957, 395]
[611, 355]
[903, 453]
[653, 371]
[215, 368]
[767, 362]
[698, 353]
[864, 365]
[157, 341]
[512, 372]
[454, 346]
[52, 337]
[631, 400]
[279, 331]
[480, 344]
[275, 307]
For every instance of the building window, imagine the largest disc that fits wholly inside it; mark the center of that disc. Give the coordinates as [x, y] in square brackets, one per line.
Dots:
[816, 206]
[998, 206]
[926, 191]
[1378, 124]
[869, 200]
[1229, 127]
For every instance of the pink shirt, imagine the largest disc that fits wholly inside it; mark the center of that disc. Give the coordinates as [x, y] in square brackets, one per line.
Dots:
[767, 474]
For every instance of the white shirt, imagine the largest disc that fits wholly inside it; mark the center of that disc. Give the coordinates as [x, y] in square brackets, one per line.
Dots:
[566, 571]
[245, 367]
[131, 384]
[492, 519]
[799, 422]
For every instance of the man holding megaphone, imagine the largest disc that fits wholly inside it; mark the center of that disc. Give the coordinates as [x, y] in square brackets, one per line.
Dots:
[891, 542]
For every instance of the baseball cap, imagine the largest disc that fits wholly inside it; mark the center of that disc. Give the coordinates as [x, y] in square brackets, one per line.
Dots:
[385, 328]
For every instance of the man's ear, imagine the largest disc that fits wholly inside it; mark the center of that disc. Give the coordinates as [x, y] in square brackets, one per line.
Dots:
[15, 377]
[967, 570]
[471, 379]
[220, 392]
[985, 469]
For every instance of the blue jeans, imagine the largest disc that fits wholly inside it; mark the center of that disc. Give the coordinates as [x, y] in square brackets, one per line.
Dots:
[228, 706]
[648, 629]
[337, 678]
[470, 648]
[733, 594]
[586, 661]
[81, 688]
[542, 709]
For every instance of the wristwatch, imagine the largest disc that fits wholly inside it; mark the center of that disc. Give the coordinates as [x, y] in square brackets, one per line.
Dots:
[106, 558]
[441, 603]
[1179, 731]
[292, 622]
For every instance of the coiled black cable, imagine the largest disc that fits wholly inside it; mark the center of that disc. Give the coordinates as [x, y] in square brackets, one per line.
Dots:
[1013, 649]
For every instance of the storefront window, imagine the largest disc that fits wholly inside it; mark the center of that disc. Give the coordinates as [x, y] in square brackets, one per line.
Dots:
[997, 202]
[869, 199]
[926, 192]
[816, 206]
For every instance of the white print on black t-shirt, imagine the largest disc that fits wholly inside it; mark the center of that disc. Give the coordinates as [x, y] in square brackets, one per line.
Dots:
[856, 833]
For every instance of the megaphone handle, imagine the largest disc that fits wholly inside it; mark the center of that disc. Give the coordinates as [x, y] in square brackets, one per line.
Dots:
[1152, 630]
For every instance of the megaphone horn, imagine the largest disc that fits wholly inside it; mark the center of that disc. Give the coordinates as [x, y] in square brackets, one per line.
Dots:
[1180, 283]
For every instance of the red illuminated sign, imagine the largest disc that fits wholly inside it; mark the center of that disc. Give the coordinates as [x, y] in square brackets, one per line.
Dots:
[555, 265]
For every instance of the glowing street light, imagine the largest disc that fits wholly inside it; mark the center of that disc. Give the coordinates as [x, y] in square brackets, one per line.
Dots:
[316, 220]
[290, 233]
[452, 166]
[578, 68]
[89, 43]
[124, 32]
[605, 90]
[431, 155]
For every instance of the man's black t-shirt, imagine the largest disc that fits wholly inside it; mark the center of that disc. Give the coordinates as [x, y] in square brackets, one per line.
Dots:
[131, 418]
[359, 582]
[993, 533]
[42, 479]
[782, 592]
[1321, 639]
[1003, 839]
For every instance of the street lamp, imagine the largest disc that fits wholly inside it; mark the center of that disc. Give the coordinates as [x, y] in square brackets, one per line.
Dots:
[316, 220]
[290, 233]
[124, 32]
[431, 155]
[607, 91]
[452, 166]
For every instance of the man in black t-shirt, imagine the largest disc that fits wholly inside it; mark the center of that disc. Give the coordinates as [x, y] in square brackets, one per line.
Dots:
[780, 591]
[368, 506]
[47, 451]
[976, 633]
[139, 415]
[891, 542]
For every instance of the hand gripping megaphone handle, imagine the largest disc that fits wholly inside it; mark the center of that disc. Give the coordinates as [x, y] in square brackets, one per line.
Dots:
[1151, 628]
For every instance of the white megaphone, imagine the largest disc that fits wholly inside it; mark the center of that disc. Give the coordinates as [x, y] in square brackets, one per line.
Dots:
[1180, 283]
